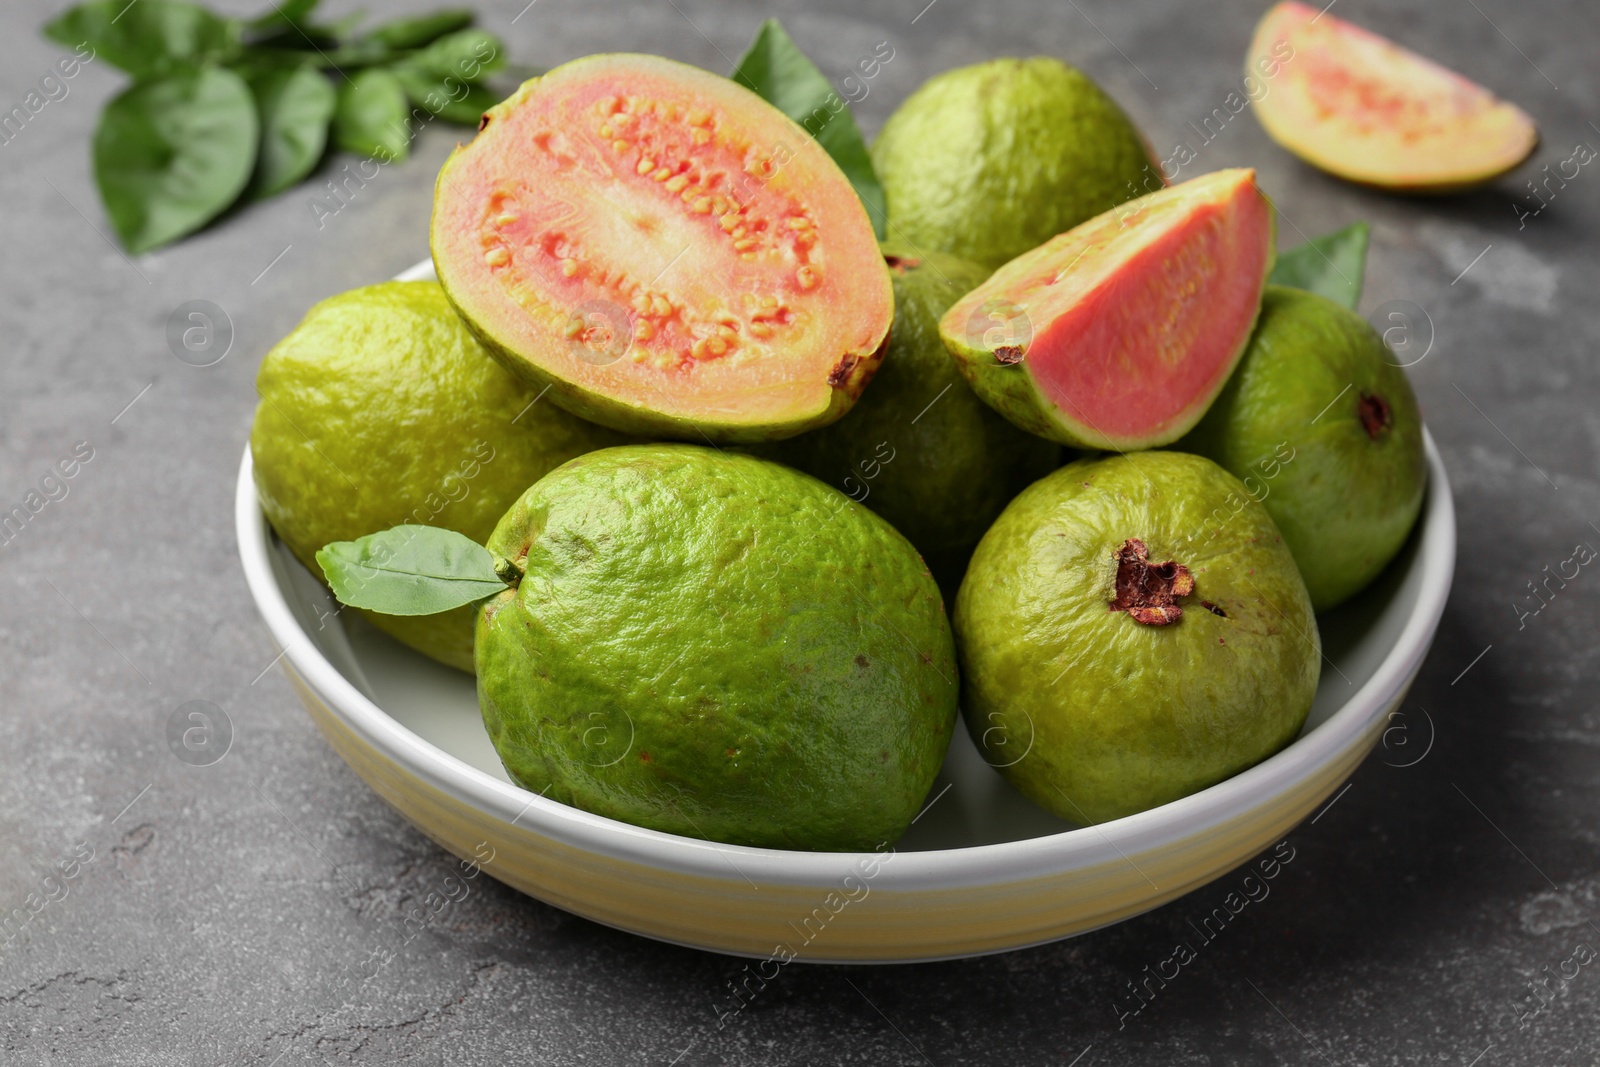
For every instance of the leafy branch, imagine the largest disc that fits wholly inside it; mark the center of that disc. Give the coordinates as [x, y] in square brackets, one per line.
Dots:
[224, 109]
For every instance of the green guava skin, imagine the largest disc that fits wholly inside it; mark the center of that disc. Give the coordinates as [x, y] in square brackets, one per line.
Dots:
[1115, 716]
[988, 161]
[919, 447]
[380, 408]
[1346, 501]
[714, 645]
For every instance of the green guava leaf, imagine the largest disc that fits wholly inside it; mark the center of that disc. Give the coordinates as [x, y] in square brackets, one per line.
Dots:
[342, 28]
[419, 30]
[410, 570]
[149, 38]
[1332, 265]
[776, 70]
[295, 105]
[370, 117]
[429, 91]
[170, 154]
[466, 54]
[362, 52]
[289, 16]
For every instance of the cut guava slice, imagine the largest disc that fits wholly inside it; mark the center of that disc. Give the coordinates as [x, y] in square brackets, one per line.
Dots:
[1361, 107]
[1119, 333]
[665, 250]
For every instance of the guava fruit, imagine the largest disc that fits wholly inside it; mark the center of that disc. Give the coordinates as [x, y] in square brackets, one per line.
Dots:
[990, 160]
[1121, 648]
[1117, 334]
[380, 408]
[1361, 107]
[665, 251]
[717, 646]
[920, 448]
[1323, 429]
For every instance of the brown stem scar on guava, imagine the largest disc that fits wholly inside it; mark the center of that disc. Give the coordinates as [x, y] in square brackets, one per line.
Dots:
[902, 263]
[1009, 355]
[1214, 609]
[1376, 416]
[1149, 591]
[841, 371]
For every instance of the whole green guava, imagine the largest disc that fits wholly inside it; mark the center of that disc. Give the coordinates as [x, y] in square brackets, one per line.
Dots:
[714, 645]
[919, 447]
[990, 160]
[381, 409]
[1323, 428]
[1133, 629]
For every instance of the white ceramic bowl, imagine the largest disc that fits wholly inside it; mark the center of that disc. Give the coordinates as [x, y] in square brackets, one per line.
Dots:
[982, 870]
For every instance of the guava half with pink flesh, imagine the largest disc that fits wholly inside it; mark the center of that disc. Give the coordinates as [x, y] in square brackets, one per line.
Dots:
[1361, 107]
[663, 250]
[1118, 334]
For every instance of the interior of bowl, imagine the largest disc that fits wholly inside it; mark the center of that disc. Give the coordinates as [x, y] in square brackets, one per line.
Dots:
[440, 705]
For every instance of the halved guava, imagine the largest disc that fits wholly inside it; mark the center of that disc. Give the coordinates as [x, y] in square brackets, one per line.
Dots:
[1119, 333]
[664, 250]
[1359, 106]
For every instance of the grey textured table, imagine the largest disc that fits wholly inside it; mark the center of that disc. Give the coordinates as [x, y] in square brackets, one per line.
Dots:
[222, 902]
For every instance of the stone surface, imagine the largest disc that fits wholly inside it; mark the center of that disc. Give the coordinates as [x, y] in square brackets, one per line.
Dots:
[220, 908]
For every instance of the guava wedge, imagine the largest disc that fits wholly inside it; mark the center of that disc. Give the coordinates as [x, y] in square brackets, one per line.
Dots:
[1322, 427]
[920, 448]
[714, 645]
[665, 251]
[1119, 649]
[1117, 334]
[1365, 109]
[989, 160]
[380, 408]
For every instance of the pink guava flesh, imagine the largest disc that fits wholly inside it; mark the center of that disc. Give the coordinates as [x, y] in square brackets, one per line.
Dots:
[1139, 351]
[1136, 317]
[1361, 107]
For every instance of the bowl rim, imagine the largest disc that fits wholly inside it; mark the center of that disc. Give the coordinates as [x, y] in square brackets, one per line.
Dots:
[941, 869]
